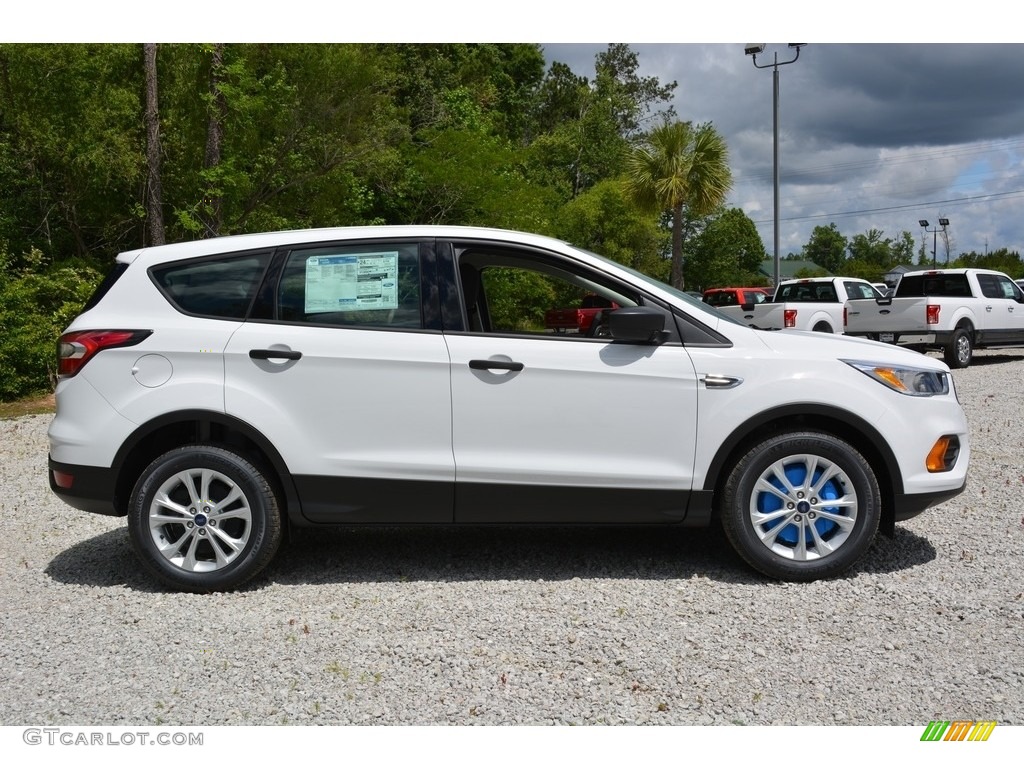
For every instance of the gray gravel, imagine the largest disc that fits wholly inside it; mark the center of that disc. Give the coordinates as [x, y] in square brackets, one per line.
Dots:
[505, 626]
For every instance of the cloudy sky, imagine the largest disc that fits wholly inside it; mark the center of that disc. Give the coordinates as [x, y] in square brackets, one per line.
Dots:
[893, 112]
[871, 136]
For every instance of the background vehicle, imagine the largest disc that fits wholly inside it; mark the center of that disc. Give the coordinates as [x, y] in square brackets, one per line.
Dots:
[216, 391]
[578, 319]
[810, 304]
[955, 310]
[725, 297]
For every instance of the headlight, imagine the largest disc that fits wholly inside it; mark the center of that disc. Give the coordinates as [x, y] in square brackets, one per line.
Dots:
[918, 382]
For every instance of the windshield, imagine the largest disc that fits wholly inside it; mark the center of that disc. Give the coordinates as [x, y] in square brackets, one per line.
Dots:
[682, 296]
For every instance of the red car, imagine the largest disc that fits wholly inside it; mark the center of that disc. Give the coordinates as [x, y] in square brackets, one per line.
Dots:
[724, 297]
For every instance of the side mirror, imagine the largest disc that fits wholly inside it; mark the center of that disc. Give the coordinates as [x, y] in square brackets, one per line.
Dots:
[639, 325]
[747, 306]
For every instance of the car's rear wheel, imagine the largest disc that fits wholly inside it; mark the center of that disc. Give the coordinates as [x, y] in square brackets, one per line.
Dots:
[801, 506]
[204, 519]
[960, 350]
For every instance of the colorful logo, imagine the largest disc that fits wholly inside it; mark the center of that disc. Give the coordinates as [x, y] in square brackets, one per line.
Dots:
[958, 730]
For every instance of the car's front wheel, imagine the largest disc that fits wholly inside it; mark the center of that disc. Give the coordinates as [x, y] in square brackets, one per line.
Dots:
[204, 519]
[801, 506]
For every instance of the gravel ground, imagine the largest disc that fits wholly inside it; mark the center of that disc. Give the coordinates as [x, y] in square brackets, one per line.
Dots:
[500, 626]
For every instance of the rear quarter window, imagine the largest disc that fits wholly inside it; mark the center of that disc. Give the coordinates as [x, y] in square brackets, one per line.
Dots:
[222, 286]
[107, 283]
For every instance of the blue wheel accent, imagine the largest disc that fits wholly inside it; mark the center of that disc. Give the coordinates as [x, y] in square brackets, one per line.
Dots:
[790, 508]
[796, 474]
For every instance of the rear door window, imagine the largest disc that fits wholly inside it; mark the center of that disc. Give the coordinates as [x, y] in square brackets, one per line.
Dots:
[859, 290]
[997, 287]
[366, 285]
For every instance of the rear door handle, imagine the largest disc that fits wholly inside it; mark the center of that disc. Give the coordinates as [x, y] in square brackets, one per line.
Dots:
[501, 365]
[270, 354]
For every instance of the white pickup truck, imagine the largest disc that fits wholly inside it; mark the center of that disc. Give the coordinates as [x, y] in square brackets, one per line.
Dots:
[809, 304]
[955, 310]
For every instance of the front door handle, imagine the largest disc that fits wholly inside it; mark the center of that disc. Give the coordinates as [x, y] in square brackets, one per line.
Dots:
[501, 365]
[270, 354]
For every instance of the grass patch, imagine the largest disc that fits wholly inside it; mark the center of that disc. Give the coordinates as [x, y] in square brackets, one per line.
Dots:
[27, 407]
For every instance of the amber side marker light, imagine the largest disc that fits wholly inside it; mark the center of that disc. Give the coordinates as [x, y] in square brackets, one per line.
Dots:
[943, 454]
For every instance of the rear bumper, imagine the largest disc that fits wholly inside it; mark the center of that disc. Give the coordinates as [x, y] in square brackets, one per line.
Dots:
[909, 338]
[90, 489]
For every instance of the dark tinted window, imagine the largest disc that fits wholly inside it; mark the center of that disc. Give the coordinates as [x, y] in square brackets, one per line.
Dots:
[997, 287]
[720, 298]
[859, 290]
[101, 290]
[219, 287]
[933, 285]
[807, 292]
[369, 285]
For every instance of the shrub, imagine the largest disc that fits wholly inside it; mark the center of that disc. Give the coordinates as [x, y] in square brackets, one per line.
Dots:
[37, 301]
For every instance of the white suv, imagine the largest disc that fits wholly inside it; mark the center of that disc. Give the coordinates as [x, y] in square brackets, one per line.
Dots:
[218, 390]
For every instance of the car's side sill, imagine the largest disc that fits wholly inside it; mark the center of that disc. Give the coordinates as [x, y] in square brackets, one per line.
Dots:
[340, 500]
[493, 503]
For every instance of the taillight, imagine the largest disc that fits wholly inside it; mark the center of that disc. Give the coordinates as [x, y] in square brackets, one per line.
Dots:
[789, 318]
[932, 314]
[77, 348]
[846, 320]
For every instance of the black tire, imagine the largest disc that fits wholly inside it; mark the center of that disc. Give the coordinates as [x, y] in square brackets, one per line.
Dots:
[792, 533]
[823, 328]
[204, 519]
[599, 326]
[960, 350]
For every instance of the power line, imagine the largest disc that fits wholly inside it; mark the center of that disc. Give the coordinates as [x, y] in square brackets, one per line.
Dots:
[893, 208]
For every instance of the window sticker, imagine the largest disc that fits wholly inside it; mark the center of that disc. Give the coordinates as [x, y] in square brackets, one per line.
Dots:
[346, 283]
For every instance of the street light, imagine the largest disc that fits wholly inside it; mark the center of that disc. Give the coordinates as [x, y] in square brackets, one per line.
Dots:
[943, 223]
[752, 49]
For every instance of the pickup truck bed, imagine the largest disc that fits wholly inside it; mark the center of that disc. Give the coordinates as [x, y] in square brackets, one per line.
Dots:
[955, 310]
[811, 304]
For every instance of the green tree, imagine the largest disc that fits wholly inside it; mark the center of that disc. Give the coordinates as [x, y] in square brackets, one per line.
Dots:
[498, 82]
[582, 129]
[1001, 259]
[728, 251]
[826, 248]
[37, 301]
[679, 166]
[631, 99]
[903, 249]
[461, 177]
[873, 249]
[604, 220]
[70, 123]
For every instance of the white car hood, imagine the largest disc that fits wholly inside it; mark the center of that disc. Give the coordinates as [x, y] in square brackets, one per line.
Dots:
[814, 345]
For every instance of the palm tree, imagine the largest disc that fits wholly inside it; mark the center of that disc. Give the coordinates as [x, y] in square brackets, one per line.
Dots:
[676, 166]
